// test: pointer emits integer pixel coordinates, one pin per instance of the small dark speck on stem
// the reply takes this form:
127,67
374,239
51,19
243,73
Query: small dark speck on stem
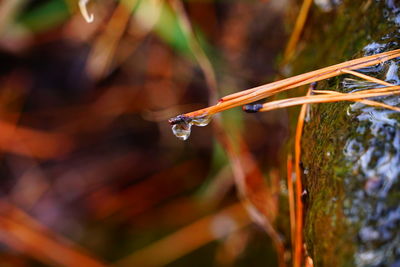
179,119
252,108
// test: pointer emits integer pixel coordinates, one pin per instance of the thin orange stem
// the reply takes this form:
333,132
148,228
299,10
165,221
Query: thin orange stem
298,29
321,73
299,188
366,77
364,101
24,234
329,98
264,91
189,238
291,199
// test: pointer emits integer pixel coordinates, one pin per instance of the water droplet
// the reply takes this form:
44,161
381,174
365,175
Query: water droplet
181,125
182,130
201,121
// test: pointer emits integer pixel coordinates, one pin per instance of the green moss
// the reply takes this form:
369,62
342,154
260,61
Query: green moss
344,194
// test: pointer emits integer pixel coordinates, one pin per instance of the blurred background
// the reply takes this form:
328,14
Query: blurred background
91,173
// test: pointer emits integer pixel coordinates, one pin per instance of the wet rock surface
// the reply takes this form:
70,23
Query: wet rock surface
351,151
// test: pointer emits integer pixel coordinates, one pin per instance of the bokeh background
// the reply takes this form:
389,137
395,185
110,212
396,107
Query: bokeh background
91,173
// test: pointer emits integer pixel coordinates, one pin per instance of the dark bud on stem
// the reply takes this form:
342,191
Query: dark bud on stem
313,86
179,119
252,108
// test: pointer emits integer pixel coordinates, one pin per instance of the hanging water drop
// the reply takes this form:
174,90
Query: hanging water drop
182,130
201,120
181,125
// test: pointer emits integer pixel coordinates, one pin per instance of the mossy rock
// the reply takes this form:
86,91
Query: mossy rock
350,151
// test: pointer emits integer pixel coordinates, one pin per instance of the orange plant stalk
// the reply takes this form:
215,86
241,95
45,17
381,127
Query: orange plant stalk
291,199
263,91
298,244
332,97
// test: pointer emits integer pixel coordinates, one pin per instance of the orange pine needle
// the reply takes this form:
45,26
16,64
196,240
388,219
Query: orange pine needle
291,199
263,91
33,143
105,47
299,187
366,77
326,98
189,238
364,101
298,29
23,233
